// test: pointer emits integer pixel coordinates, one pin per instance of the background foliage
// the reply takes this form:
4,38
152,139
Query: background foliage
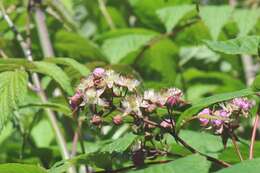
206,48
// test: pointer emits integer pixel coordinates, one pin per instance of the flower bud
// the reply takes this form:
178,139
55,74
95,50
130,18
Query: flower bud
167,124
171,101
96,120
242,103
75,100
98,72
117,120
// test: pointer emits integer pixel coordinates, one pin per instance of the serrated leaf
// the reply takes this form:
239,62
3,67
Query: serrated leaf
117,48
54,72
189,164
241,17
121,144
20,168
248,166
83,70
215,17
197,106
241,45
170,16
13,88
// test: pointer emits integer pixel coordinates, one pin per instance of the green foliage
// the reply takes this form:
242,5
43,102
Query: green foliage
13,88
215,17
189,164
196,46
241,45
20,168
250,166
120,144
170,16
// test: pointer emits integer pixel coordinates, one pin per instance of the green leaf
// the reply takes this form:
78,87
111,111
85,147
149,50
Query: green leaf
54,72
229,154
241,45
83,70
256,84
241,17
197,52
73,45
170,16
189,164
215,17
42,133
13,88
20,168
158,65
117,48
248,166
54,106
121,144
209,101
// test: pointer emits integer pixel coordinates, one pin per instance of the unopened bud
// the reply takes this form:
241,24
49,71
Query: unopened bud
96,120
117,120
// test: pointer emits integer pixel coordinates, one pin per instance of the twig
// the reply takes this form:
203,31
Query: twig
251,152
105,13
43,33
187,146
36,82
3,55
237,148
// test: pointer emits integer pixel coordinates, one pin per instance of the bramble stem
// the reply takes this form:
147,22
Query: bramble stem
251,152
36,82
105,13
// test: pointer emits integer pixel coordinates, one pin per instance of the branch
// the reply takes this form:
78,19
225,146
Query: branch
43,32
237,148
187,146
251,152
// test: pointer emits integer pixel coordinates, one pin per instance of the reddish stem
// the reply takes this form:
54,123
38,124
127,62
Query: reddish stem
251,152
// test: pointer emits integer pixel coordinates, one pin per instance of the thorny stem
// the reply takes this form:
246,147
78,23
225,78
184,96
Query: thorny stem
251,152
36,82
237,148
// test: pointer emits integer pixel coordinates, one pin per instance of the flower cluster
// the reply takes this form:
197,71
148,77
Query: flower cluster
225,115
101,87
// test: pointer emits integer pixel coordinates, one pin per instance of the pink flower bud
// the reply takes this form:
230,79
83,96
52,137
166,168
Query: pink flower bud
96,120
117,120
98,72
76,100
167,124
171,101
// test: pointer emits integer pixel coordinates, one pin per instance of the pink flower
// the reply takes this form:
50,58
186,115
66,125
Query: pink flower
166,123
242,103
204,121
98,72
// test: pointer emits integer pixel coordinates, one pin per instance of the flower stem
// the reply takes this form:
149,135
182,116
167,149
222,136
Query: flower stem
251,152
237,149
